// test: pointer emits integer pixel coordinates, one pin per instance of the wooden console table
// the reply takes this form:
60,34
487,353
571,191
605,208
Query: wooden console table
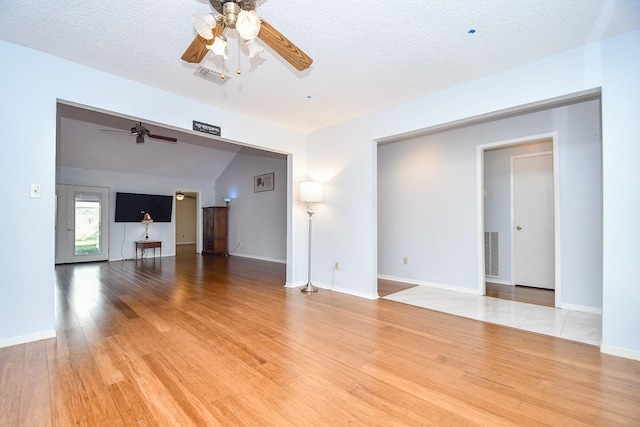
148,244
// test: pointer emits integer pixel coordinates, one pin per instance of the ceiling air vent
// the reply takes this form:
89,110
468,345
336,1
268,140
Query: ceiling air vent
211,75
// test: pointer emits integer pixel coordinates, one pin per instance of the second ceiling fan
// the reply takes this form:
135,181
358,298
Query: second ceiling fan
240,15
139,131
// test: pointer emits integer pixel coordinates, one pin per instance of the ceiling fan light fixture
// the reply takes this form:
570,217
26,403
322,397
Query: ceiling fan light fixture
254,47
219,46
241,15
230,10
204,24
248,25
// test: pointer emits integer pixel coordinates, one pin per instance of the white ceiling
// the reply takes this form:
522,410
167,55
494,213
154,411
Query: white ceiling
367,55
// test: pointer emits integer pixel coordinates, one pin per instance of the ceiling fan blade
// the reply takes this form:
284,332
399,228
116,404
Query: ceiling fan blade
217,5
113,131
139,131
197,50
283,46
164,138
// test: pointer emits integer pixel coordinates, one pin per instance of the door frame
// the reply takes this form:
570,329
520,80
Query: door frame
65,194
480,149
198,217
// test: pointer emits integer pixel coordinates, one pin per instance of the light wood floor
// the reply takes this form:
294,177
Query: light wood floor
545,297
193,340
388,287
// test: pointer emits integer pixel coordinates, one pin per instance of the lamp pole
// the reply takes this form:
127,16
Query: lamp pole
227,200
309,287
310,192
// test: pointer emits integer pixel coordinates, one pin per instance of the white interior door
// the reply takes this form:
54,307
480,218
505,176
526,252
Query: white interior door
533,221
82,224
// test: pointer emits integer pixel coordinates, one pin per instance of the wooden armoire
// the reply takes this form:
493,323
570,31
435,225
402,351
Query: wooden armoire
214,230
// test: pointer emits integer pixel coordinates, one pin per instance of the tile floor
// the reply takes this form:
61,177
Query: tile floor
571,325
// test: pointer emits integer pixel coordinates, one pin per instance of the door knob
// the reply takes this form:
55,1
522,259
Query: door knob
518,228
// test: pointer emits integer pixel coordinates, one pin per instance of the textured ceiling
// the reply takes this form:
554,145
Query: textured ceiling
367,55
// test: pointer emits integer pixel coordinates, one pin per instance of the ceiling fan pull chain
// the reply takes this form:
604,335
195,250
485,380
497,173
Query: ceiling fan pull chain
238,70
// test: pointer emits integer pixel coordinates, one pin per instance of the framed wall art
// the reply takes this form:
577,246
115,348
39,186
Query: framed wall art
263,182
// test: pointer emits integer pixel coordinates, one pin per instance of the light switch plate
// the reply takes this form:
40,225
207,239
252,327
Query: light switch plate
36,191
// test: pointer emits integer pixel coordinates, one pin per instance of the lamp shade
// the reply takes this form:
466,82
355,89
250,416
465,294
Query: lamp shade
219,46
254,47
248,25
310,192
204,23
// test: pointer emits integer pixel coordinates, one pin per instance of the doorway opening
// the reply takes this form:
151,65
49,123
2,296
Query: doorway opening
187,205
82,224
520,220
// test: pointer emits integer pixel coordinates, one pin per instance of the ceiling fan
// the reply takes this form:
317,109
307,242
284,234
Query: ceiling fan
240,15
180,195
140,132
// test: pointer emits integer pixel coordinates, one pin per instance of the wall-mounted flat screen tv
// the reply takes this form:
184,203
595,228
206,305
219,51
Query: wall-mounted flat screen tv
131,207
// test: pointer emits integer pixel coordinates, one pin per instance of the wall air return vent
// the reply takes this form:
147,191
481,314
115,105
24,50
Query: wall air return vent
211,75
492,254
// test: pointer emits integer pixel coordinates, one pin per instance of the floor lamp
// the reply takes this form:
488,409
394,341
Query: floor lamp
227,200
310,192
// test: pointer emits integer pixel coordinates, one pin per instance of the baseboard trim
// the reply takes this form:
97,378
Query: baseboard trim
620,352
260,258
583,308
301,283
369,296
295,284
23,339
446,287
498,281
327,287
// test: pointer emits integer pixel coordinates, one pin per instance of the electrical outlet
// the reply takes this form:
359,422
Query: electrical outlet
336,266
405,260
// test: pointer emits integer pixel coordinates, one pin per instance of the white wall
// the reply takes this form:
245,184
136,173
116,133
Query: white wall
432,180
123,235
344,156
621,195
431,219
257,221
28,120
